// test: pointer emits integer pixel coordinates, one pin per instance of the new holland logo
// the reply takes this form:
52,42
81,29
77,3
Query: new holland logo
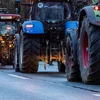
40,5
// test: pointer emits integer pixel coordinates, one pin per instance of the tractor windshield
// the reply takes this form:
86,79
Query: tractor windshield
52,11
7,28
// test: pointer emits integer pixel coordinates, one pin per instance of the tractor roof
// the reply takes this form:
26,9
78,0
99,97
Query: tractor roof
27,1
9,16
52,0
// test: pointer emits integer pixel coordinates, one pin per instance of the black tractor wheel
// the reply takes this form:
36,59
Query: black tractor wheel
89,52
29,53
72,67
61,67
16,53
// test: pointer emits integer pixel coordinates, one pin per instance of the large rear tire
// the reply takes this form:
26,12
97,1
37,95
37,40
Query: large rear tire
72,67
89,52
29,53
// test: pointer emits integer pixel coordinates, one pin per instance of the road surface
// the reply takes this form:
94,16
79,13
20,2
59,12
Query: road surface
44,85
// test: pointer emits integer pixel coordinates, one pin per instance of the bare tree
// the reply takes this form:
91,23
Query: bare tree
10,4
0,2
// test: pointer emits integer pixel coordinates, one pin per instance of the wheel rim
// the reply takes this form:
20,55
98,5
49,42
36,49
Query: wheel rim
85,49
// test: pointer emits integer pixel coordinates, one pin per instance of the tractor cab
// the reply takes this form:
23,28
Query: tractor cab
53,15
50,11
9,23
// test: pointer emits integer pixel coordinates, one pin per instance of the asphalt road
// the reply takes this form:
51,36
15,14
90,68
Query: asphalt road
45,85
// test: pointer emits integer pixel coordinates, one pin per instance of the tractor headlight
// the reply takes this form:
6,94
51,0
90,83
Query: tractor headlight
29,26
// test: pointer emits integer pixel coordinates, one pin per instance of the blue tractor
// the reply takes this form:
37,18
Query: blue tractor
52,34
42,35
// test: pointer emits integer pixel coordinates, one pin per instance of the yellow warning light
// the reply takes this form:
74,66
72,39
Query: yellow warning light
10,45
1,38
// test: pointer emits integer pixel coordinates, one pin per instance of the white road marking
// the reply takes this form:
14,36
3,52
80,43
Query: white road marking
18,76
97,95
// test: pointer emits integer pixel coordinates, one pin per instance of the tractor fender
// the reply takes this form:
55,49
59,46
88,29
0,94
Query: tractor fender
35,28
92,15
70,25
